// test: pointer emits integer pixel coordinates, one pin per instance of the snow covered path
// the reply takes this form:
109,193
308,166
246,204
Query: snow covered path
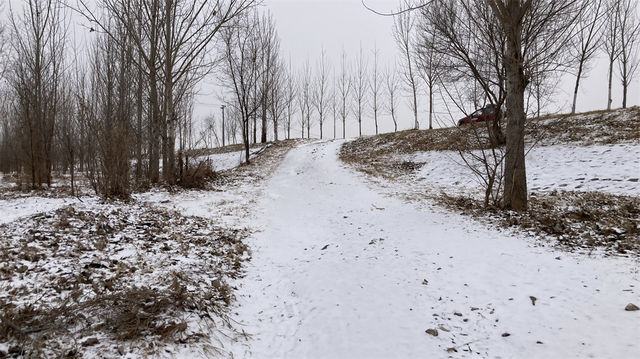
341,271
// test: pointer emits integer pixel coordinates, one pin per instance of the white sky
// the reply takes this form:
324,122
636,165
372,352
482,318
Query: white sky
306,26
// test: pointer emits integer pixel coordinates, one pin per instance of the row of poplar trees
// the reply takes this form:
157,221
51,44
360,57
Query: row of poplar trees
118,109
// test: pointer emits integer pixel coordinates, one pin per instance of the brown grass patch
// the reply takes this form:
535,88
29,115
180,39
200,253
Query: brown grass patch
585,129
575,220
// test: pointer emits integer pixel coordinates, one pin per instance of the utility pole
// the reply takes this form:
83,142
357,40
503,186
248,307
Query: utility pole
222,108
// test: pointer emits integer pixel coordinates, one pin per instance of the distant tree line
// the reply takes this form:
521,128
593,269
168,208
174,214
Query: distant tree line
121,112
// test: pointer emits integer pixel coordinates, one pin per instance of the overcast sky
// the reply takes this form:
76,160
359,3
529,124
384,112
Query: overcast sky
307,26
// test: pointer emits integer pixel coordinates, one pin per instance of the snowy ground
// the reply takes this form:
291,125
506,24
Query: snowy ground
229,204
80,279
13,209
340,270
611,169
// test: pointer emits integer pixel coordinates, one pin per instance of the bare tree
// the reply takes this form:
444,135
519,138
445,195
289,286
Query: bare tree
334,105
232,125
241,47
307,97
549,25
376,82
541,92
585,45
67,132
277,97
268,64
145,27
108,106
39,40
290,98
428,62
6,144
403,32
321,89
503,44
302,105
611,41
629,31
453,50
8,147
344,90
392,82
360,85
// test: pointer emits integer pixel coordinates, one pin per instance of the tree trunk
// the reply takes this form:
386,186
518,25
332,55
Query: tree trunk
154,131
625,80
375,119
575,91
275,129
515,187
255,128
430,106
263,130
223,128
334,125
245,136
415,108
139,128
395,122
609,98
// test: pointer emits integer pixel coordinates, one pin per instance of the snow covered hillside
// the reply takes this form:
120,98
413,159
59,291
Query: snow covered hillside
611,168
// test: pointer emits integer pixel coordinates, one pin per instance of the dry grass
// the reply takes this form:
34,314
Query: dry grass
590,128
581,221
377,155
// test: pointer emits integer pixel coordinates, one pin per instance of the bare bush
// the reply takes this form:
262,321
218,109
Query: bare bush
196,175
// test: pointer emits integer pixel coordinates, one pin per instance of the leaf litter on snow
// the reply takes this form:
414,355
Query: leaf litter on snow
113,279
